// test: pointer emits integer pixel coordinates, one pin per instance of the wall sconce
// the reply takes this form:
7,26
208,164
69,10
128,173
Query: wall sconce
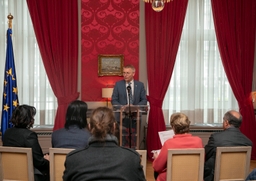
107,93
157,5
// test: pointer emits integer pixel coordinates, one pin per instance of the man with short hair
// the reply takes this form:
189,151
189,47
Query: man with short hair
120,92
231,136
128,92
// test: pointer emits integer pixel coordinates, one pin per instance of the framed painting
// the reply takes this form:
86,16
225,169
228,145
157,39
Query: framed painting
110,65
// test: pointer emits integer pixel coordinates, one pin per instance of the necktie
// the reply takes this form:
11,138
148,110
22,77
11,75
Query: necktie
130,97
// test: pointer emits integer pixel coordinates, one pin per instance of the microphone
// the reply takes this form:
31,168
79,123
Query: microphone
129,88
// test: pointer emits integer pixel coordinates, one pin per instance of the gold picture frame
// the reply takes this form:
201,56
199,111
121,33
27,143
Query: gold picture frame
110,65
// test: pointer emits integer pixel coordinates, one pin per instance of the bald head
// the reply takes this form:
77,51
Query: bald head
235,114
232,118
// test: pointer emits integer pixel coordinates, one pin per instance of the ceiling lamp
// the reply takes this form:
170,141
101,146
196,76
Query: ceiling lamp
157,5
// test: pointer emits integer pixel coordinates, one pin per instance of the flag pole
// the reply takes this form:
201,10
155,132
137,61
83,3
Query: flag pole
10,91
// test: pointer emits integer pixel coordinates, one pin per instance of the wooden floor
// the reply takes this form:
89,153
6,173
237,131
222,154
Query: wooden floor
150,172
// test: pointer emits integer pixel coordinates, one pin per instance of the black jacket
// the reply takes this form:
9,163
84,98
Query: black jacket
22,137
103,161
229,137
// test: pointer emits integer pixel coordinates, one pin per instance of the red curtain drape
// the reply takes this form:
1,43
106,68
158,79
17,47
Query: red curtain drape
56,28
235,22
163,32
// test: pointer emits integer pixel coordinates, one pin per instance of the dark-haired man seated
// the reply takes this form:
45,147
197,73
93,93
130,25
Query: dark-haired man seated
231,136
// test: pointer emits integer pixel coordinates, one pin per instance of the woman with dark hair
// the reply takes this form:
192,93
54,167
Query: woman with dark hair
182,139
103,159
75,134
20,136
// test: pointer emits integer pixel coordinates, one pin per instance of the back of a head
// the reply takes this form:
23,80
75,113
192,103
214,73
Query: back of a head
23,116
234,118
180,123
76,114
102,122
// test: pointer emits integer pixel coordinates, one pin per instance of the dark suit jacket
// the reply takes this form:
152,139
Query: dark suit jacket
74,137
119,96
103,161
229,137
22,137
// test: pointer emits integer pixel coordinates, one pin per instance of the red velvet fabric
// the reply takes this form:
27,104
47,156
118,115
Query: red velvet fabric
56,28
163,32
107,27
235,22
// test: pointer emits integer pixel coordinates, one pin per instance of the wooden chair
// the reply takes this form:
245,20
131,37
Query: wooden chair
57,159
232,163
143,156
16,164
185,164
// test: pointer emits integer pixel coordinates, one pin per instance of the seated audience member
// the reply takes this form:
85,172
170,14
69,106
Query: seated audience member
182,139
103,159
20,136
75,134
231,136
252,175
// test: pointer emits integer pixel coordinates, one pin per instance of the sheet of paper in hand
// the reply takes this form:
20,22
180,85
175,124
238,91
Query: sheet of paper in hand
165,135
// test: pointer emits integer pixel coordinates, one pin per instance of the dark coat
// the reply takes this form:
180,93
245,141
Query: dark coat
103,161
119,96
74,137
229,137
22,137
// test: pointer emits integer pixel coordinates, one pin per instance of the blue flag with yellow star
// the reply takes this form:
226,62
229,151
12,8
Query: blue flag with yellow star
10,92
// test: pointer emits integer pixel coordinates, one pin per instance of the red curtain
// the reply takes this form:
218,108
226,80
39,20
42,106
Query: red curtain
163,32
235,22
56,28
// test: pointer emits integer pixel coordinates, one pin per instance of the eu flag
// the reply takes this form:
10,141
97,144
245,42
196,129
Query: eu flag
10,92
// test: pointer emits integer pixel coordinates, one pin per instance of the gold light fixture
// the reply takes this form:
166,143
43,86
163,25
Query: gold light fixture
157,5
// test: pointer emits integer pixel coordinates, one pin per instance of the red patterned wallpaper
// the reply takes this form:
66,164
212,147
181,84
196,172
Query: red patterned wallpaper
108,27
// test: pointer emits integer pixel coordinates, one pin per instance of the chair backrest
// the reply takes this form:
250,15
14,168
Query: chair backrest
232,163
57,159
143,157
16,164
185,164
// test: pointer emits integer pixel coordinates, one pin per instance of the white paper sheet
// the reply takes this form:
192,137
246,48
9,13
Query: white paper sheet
165,135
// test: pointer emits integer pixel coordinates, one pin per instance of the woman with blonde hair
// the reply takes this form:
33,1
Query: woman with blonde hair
182,139
103,159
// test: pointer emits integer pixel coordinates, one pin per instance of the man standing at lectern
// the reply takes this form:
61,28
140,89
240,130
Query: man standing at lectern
120,96
120,92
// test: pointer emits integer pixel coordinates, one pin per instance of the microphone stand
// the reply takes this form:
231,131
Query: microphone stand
130,116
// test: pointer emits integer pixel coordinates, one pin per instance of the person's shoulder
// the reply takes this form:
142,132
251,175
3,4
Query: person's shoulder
8,130
23,131
138,82
120,82
77,152
196,137
59,132
219,133
129,151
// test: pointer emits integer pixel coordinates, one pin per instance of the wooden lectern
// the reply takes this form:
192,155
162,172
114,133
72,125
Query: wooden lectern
125,110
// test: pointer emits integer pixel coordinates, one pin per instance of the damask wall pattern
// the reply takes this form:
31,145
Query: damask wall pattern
107,27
